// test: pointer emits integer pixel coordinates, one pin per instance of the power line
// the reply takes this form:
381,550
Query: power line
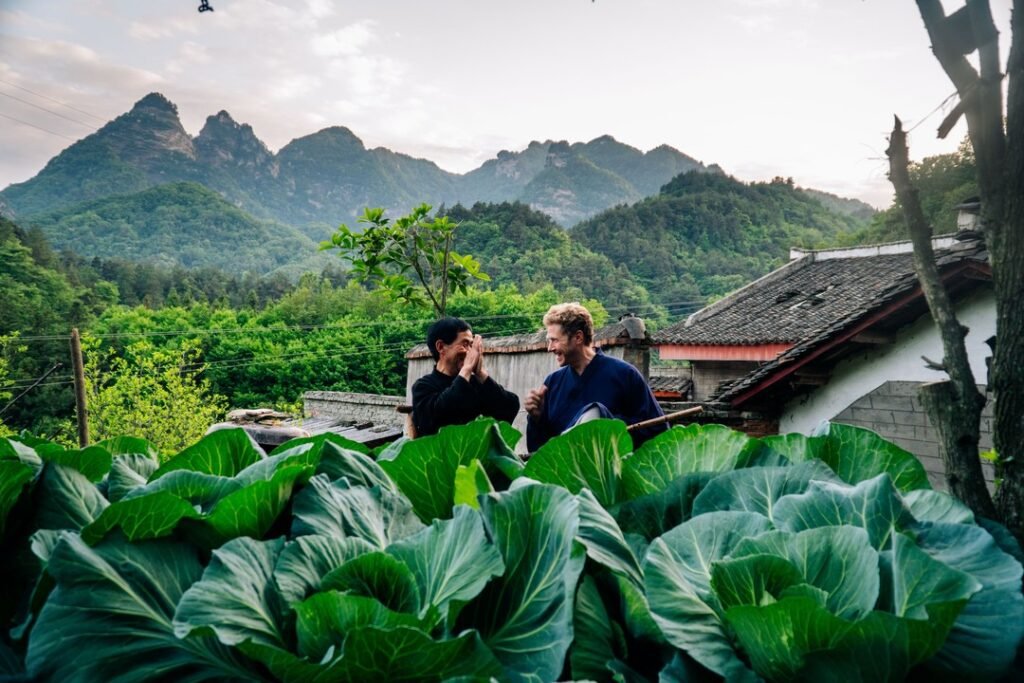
32,125
49,111
651,308
927,116
30,387
56,101
231,363
358,350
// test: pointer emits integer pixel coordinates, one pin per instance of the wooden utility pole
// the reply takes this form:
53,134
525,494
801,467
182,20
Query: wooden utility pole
76,364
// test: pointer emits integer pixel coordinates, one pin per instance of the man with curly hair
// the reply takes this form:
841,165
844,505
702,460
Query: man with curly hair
587,383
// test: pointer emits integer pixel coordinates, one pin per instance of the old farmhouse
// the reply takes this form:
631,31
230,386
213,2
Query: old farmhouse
842,335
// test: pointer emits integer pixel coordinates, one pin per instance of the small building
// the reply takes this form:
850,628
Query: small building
839,335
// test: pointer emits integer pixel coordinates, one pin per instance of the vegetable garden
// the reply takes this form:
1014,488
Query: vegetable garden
704,555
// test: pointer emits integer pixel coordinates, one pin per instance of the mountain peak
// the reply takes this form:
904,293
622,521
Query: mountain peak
341,133
222,117
156,101
225,142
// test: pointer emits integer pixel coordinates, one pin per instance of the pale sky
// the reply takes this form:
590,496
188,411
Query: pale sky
800,88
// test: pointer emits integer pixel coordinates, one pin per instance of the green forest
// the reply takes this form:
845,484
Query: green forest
238,337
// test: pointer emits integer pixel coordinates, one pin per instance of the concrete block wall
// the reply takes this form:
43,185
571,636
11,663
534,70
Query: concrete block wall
358,408
894,411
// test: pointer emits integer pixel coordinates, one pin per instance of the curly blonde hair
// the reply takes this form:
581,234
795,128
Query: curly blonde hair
572,317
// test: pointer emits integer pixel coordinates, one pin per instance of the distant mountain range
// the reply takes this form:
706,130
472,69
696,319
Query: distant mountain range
142,188
330,176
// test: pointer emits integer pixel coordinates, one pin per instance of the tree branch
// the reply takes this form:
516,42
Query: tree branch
444,272
981,95
953,406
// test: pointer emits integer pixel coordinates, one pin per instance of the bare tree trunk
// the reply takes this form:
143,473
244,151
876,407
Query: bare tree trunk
999,155
1008,276
953,406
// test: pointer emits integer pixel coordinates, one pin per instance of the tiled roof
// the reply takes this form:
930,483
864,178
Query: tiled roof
613,334
670,383
803,297
961,254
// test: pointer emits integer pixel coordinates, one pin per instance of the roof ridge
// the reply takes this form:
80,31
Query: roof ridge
866,250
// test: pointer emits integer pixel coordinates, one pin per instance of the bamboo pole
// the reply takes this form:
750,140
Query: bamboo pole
671,417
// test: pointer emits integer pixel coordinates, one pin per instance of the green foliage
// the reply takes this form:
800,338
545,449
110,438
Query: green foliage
7,349
411,259
39,299
942,181
527,249
177,224
148,392
311,564
706,234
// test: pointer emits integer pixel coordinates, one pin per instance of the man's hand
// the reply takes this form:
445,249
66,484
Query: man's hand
472,359
535,401
478,369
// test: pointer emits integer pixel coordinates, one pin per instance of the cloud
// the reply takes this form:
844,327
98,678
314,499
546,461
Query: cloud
347,41
64,62
319,9
190,55
146,31
293,86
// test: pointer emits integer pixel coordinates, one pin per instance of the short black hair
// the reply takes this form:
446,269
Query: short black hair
445,329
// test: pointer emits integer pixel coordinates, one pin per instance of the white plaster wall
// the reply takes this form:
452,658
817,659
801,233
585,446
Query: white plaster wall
863,373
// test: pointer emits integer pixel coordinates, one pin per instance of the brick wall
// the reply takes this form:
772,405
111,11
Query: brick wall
375,408
894,411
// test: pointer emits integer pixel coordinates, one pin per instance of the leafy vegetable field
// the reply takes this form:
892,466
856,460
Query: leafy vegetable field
703,555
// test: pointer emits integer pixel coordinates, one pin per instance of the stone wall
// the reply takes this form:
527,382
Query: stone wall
894,411
359,408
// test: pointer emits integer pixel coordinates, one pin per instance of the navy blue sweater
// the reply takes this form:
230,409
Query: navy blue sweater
612,382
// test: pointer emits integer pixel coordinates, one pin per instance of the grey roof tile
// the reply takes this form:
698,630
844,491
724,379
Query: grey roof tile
800,299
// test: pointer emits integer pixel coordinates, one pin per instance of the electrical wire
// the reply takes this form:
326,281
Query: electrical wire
650,308
49,111
56,101
32,125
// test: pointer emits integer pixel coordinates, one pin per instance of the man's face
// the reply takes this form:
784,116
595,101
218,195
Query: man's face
453,355
565,348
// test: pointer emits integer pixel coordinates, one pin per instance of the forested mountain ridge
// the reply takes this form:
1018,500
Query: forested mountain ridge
331,176
706,234
527,249
181,223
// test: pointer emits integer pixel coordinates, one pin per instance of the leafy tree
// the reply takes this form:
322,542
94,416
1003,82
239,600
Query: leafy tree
689,242
994,132
526,248
942,181
152,393
411,258
7,345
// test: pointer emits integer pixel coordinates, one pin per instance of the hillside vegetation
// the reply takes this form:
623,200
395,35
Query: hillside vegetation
182,224
706,234
527,249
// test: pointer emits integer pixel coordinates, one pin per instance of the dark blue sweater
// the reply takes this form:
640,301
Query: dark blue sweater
612,382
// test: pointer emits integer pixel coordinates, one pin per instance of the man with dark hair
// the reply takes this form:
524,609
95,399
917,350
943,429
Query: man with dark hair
459,389
587,384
